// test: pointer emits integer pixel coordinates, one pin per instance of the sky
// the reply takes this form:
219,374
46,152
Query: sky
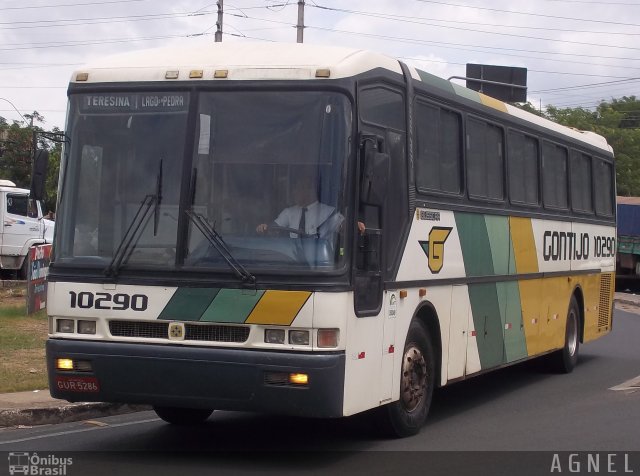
577,53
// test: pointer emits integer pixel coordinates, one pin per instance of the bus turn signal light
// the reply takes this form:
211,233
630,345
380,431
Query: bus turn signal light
64,364
328,338
299,379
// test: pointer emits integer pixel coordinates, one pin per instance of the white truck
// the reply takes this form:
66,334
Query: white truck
22,225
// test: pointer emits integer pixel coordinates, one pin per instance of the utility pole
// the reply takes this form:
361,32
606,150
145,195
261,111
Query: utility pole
218,35
300,25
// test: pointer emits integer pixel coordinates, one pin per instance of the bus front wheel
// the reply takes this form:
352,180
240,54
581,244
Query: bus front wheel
182,416
406,416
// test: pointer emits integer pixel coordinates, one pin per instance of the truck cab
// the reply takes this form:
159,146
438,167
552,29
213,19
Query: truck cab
22,225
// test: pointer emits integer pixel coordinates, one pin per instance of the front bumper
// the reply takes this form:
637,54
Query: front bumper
196,377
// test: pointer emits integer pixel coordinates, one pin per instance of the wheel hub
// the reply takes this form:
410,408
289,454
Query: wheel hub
572,333
414,378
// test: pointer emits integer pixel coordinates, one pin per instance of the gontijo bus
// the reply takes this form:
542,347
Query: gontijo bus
489,235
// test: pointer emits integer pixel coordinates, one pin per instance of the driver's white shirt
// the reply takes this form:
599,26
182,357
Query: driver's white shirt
317,215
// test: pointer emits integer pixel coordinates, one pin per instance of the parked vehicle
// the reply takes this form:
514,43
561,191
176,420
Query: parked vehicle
23,226
628,255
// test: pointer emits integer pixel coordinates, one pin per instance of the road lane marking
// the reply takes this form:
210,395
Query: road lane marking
633,384
81,430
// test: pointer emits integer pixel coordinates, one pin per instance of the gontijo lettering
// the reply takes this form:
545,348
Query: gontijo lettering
560,246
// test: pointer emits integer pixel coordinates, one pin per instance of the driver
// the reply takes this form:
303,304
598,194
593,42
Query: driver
307,215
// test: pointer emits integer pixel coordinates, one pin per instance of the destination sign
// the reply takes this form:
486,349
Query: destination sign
133,103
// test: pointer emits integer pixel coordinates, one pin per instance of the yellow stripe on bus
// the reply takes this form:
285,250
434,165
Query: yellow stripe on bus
526,258
494,103
278,307
524,246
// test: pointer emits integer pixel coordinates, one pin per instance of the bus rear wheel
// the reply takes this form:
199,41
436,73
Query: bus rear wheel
565,360
406,416
183,416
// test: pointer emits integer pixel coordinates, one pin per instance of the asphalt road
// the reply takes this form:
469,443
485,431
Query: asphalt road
521,408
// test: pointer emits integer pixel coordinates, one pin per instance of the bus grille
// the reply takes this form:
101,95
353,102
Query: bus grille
604,307
193,332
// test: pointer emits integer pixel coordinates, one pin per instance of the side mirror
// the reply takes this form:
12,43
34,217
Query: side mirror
39,174
375,177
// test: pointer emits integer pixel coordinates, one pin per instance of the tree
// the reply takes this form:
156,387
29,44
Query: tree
16,145
617,121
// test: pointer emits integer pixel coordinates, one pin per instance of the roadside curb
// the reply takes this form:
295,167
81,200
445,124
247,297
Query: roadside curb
627,301
64,413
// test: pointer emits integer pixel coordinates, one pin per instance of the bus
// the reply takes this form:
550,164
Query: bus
446,234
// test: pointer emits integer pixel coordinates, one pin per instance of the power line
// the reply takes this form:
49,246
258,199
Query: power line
417,21
97,20
70,44
597,3
456,45
529,14
591,85
14,108
69,5
33,87
529,70
467,47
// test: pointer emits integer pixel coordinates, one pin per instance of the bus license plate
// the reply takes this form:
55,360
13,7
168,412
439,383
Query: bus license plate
77,384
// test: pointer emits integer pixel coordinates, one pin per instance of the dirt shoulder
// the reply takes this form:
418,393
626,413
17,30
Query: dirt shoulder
22,343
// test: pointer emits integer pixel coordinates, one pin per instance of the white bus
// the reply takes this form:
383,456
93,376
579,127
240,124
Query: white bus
445,234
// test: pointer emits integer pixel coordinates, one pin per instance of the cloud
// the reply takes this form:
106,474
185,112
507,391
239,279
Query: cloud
40,47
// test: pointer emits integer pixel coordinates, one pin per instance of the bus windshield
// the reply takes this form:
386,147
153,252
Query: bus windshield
256,181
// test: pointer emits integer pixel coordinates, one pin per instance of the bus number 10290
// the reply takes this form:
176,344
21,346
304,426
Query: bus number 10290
116,302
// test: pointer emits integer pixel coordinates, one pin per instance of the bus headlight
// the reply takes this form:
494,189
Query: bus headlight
274,336
299,337
86,327
65,325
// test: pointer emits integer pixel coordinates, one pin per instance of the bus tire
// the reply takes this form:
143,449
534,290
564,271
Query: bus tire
564,360
406,416
182,416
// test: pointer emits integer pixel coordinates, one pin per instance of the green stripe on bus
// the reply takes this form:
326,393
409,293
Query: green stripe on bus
498,233
474,240
467,93
488,324
515,343
232,305
188,304
436,81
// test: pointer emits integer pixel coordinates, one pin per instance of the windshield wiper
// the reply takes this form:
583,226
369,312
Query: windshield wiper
218,243
131,236
134,231
156,208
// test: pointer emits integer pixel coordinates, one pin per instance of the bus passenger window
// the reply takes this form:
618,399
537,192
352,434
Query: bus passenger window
603,175
554,175
523,168
581,182
485,161
438,134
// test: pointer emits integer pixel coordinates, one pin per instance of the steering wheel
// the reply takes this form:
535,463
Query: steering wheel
279,230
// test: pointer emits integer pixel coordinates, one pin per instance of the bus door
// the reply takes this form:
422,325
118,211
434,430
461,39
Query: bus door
384,210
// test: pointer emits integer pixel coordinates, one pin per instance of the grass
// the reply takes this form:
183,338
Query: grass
22,340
